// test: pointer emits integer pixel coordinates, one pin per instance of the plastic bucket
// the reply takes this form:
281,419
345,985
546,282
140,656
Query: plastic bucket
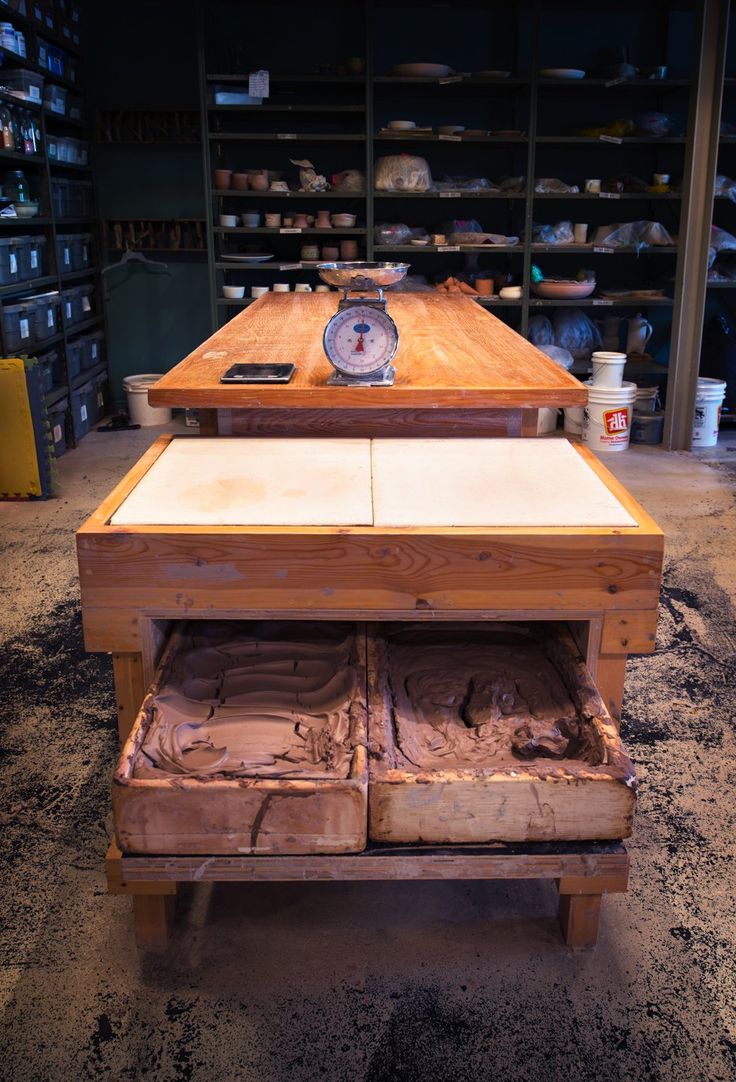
607,417
646,400
574,420
608,369
139,411
546,420
647,427
707,416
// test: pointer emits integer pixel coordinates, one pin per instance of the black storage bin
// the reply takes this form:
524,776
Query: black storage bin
101,391
19,327
53,358
93,350
80,410
47,375
10,270
86,301
74,353
84,251
33,258
46,314
71,306
57,419
65,243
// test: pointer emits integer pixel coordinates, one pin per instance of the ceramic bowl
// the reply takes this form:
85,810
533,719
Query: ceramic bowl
233,293
432,71
229,221
402,125
419,241
451,129
26,210
510,293
554,289
562,73
344,221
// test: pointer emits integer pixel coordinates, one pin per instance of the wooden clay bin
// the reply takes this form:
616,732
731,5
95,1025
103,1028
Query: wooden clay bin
375,531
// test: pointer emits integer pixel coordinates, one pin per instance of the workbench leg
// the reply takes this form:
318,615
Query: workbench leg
129,690
609,678
152,914
579,916
208,423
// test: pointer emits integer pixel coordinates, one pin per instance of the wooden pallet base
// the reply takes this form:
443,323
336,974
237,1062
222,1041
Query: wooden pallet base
583,872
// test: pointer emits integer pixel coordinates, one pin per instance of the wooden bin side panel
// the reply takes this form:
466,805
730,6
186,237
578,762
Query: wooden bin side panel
186,572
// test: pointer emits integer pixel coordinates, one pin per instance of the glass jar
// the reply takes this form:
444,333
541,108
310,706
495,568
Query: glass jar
15,187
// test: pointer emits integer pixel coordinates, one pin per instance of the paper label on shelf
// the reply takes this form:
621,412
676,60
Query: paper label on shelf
610,139
24,328
604,251
290,266
50,322
34,258
34,92
286,135
451,79
258,84
615,82
86,306
448,247
13,263
290,229
68,309
67,257
450,195
57,433
598,302
83,412
609,195
450,138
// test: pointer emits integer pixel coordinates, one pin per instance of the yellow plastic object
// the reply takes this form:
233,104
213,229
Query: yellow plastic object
19,473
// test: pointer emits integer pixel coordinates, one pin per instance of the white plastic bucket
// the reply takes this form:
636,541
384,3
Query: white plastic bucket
707,417
574,420
546,420
139,411
607,417
646,399
608,368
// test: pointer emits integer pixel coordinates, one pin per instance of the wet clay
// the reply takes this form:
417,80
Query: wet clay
488,698
265,699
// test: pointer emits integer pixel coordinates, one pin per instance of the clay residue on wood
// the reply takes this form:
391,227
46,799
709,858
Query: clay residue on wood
482,698
267,699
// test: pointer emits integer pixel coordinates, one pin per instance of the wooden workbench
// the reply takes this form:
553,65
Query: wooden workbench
144,567
459,371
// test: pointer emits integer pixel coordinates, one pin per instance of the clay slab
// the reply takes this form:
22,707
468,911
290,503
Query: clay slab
494,482
254,482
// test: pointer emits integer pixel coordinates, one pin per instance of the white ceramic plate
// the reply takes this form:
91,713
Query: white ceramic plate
434,71
562,73
248,258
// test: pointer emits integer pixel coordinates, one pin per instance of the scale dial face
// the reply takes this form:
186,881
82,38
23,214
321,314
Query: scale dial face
360,340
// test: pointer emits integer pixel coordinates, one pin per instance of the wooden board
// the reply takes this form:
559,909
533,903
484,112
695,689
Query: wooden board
254,482
539,801
457,482
452,353
215,814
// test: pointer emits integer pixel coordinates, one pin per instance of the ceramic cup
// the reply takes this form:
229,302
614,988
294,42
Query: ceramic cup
259,181
593,185
278,186
229,221
251,219
348,250
302,287
330,253
288,221
309,251
321,289
223,178
233,293
273,221
484,286
580,232
241,182
258,291
281,287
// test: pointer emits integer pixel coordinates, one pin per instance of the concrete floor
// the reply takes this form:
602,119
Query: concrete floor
376,982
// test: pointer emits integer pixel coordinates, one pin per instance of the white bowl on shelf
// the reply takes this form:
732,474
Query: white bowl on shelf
402,125
233,293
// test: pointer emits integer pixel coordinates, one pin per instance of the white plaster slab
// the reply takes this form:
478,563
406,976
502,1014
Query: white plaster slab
499,482
252,482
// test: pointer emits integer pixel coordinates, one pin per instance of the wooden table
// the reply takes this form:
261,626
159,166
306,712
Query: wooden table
603,581
459,371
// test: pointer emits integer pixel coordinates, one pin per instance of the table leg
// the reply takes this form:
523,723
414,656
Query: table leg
152,914
579,916
609,677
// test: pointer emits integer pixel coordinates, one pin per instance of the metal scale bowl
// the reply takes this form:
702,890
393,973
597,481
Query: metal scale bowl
361,339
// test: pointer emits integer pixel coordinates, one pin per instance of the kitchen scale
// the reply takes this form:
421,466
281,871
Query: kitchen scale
361,339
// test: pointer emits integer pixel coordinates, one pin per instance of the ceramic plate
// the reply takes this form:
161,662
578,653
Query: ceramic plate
248,258
562,73
434,71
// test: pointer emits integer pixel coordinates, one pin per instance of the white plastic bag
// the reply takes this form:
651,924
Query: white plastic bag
403,173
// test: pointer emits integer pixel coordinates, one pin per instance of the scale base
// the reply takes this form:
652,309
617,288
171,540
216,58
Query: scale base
384,378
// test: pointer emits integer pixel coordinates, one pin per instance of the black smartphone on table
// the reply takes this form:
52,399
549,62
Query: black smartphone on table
259,373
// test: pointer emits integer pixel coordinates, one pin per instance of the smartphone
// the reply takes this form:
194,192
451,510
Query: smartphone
259,373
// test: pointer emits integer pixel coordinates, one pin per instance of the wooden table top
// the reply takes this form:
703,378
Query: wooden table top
452,354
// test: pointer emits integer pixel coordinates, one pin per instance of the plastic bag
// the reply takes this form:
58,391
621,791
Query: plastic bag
461,225
350,180
403,173
560,356
724,186
391,233
559,233
512,184
467,184
576,333
632,235
552,184
540,332
720,241
655,124
482,238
